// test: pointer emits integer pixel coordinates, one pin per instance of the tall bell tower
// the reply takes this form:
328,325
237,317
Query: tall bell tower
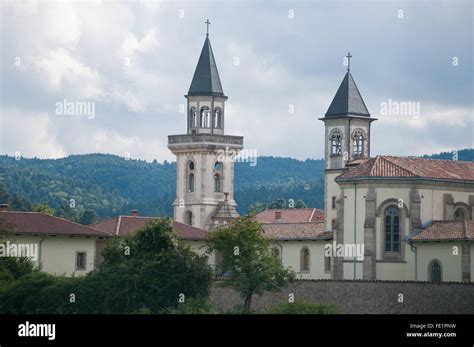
347,143
205,155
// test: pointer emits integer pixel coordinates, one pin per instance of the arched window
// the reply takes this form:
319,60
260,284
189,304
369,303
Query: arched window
336,142
191,183
190,176
205,117
435,271
358,143
459,214
193,117
217,118
305,260
392,230
276,252
217,183
188,218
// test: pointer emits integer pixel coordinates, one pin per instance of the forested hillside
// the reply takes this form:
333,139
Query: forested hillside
111,185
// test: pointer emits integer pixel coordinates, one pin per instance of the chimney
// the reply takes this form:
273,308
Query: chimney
134,213
277,215
4,207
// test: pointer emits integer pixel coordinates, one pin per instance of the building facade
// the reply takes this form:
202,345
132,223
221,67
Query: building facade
391,205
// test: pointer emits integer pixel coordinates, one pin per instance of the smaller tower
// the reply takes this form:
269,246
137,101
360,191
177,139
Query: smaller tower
347,141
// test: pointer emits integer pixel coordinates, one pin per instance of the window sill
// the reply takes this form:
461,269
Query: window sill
395,261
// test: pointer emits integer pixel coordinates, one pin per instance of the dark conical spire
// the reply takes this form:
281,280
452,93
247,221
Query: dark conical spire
347,100
206,79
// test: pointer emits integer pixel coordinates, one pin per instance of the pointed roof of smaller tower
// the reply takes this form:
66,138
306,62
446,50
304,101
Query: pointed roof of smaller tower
347,101
225,211
206,79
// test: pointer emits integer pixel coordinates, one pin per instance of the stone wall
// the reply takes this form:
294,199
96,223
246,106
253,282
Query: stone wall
364,297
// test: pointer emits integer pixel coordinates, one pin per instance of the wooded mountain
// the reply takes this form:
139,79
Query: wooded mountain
111,185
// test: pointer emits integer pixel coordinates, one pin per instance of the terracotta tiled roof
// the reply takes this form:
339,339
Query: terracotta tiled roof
126,225
291,215
296,231
446,231
39,223
388,166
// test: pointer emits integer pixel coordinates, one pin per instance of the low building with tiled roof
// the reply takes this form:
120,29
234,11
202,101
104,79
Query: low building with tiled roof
291,215
57,245
129,225
445,230
299,237
443,249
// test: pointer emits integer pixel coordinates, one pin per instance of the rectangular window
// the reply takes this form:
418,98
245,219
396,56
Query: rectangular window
333,202
81,261
327,264
333,225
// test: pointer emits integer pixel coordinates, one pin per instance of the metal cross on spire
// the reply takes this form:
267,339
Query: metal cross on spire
348,56
207,24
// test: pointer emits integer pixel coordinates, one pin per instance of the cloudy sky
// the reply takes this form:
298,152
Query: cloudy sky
135,61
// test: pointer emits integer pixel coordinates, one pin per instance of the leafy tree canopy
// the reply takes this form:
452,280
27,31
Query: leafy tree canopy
247,261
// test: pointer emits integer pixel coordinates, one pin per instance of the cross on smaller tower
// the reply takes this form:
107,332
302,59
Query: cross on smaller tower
207,24
348,56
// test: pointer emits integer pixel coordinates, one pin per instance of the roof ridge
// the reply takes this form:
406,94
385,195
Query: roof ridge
117,227
421,158
312,214
280,223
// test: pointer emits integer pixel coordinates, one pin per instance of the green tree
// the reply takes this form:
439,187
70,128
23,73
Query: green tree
88,217
300,204
43,208
247,260
257,208
280,203
67,212
150,272
18,203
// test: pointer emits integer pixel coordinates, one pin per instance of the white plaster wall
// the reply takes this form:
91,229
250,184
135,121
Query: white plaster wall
290,254
58,253
450,263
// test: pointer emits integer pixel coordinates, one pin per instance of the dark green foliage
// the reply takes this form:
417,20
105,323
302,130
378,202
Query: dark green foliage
12,269
463,154
88,217
303,307
43,208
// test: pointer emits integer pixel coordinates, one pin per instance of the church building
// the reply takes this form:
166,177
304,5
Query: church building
413,216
